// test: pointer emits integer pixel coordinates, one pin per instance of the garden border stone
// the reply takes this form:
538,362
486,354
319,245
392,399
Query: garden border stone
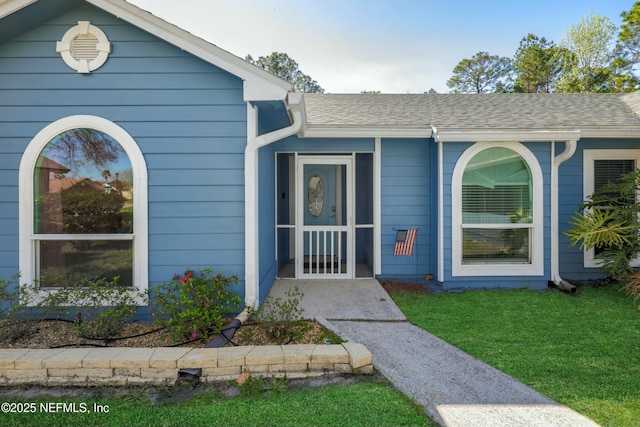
129,366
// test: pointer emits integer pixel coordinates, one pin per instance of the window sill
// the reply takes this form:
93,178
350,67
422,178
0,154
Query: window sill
497,269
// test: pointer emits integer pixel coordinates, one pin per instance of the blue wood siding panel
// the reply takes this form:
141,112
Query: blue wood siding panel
407,199
451,154
570,198
187,116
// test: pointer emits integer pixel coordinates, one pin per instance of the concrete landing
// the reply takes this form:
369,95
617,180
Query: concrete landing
361,299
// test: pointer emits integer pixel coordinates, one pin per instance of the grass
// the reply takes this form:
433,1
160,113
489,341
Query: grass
365,403
582,351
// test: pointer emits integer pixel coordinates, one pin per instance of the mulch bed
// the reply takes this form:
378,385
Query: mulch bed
398,286
60,334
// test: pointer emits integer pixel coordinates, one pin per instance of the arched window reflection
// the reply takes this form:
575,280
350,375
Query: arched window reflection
83,187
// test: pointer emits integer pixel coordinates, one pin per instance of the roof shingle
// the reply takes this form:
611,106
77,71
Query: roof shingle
513,111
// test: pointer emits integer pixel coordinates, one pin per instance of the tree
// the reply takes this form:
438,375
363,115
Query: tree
590,64
628,45
537,64
627,52
281,65
481,74
82,147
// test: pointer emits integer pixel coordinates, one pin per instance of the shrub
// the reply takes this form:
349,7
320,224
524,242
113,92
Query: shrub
280,316
92,211
100,307
7,299
610,221
13,310
194,305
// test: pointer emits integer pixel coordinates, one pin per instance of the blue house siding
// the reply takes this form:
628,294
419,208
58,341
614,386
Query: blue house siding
571,195
407,199
451,154
268,265
187,116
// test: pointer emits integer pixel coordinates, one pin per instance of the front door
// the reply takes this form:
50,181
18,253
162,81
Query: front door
324,214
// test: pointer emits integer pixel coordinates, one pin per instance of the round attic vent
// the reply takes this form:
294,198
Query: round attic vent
84,47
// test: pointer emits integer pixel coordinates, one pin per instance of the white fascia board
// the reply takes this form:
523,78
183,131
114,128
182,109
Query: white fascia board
8,7
259,85
501,136
357,132
610,133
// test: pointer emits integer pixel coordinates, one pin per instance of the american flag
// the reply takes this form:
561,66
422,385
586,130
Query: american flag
405,240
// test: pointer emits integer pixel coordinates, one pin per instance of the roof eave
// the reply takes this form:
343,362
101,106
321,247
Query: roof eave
522,135
365,132
611,133
259,85
9,7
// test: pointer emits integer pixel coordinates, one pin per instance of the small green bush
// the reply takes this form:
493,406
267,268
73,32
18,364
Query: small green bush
281,316
6,295
100,307
13,310
194,305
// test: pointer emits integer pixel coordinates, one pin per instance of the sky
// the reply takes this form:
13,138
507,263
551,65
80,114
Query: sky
391,46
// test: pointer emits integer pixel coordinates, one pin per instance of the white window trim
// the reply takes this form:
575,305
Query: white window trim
536,266
28,243
103,47
588,187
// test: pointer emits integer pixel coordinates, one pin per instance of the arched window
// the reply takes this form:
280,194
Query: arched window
497,212
83,206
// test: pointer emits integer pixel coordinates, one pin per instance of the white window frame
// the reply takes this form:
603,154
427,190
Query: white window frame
29,240
536,241
588,187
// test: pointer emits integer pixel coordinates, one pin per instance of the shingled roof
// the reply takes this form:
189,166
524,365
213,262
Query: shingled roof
482,112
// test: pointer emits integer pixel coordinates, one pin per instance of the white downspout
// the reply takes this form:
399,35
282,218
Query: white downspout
569,151
251,196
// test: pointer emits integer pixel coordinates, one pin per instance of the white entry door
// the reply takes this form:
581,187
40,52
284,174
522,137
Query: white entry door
324,217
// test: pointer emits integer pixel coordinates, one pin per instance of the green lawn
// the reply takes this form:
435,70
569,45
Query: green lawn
368,402
582,351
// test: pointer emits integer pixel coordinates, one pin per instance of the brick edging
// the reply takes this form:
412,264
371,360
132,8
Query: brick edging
126,365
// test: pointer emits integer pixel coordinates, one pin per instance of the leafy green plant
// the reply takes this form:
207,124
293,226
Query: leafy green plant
100,307
194,305
6,295
610,222
14,310
280,315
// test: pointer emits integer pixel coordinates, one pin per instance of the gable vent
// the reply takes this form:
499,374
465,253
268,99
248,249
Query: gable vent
84,48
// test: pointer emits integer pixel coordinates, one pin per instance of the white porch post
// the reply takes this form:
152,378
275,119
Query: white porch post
251,281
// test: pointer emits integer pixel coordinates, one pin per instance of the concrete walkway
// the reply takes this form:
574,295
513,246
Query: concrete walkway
454,388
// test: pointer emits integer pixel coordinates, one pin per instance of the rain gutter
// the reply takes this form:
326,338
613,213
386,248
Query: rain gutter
251,182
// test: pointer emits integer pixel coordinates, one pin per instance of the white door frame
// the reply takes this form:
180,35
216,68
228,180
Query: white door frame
301,229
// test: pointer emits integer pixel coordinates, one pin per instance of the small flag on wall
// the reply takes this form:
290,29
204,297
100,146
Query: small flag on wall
405,240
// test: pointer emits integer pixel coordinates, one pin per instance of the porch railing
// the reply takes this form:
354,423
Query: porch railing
324,252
